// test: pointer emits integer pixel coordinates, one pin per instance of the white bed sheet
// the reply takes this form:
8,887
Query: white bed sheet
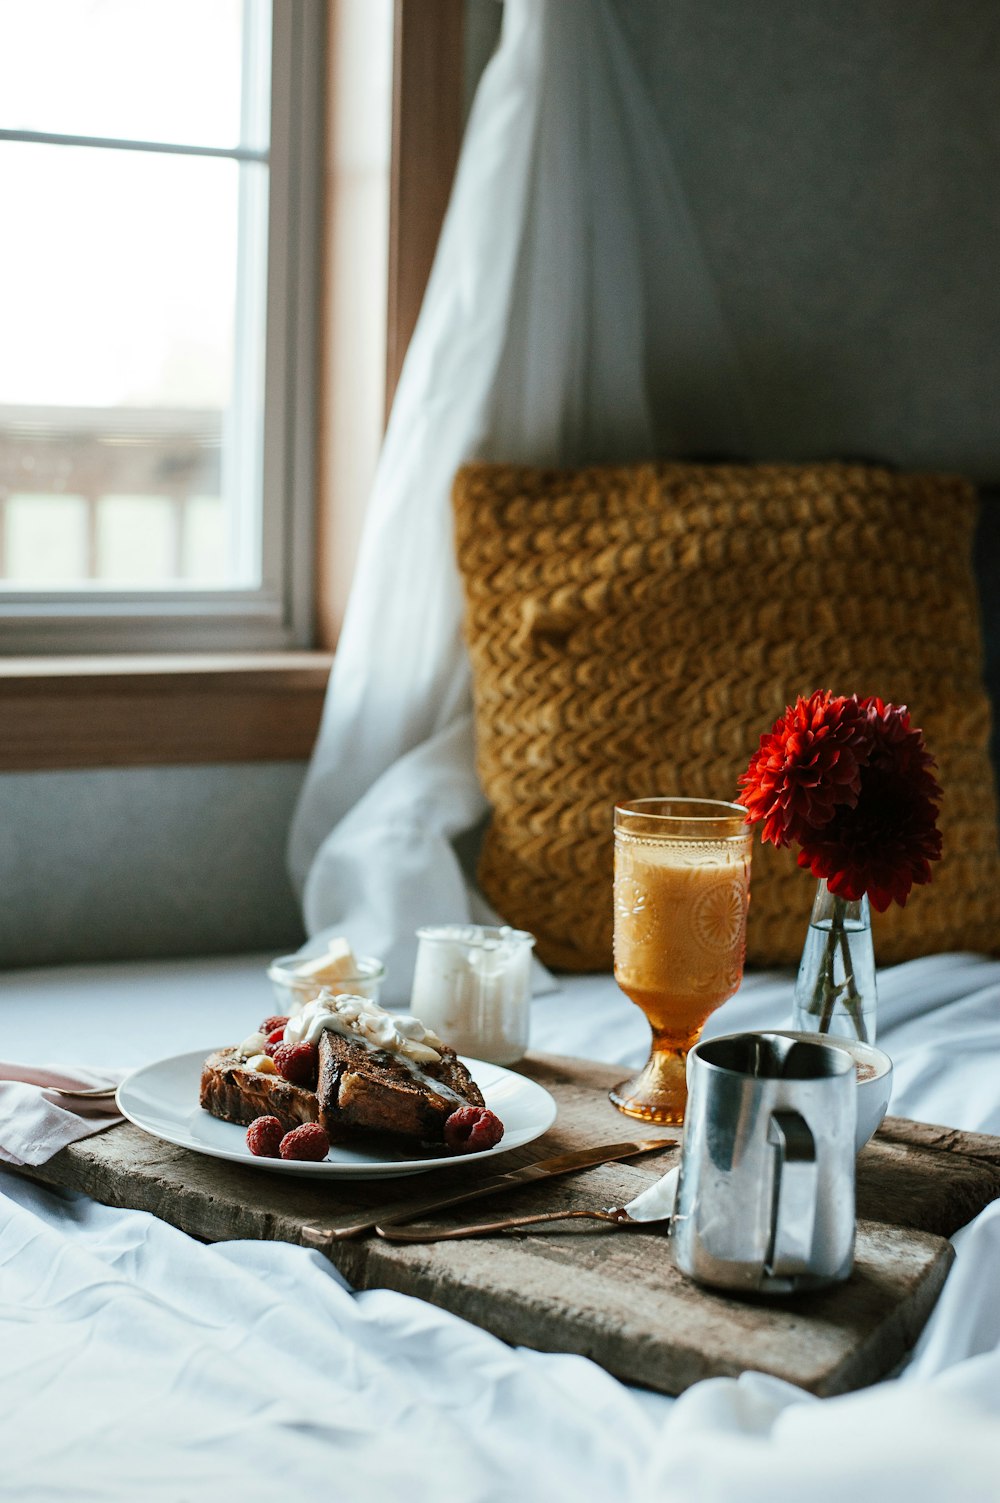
137,1363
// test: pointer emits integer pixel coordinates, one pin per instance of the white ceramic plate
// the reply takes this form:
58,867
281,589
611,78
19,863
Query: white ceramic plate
162,1099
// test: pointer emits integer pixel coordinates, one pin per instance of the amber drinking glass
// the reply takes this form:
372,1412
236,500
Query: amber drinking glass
682,888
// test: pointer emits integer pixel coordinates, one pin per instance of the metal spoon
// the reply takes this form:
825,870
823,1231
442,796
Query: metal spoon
90,1094
616,1215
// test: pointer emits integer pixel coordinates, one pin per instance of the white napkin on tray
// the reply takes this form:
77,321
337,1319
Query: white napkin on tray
656,1203
35,1123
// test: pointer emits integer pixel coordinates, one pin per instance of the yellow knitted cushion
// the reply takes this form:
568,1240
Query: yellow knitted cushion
634,630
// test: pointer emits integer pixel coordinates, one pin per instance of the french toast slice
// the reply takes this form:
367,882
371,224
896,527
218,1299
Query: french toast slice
363,1090
237,1094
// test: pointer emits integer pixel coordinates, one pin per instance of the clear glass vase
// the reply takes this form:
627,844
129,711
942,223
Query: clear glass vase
835,991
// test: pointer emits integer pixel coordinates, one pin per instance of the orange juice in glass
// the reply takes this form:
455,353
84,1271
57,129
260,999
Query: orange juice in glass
682,888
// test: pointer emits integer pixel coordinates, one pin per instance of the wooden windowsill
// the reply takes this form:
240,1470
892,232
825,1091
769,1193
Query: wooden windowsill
62,713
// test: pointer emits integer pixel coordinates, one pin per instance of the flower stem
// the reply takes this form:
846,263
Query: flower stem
826,993
837,970
826,984
851,998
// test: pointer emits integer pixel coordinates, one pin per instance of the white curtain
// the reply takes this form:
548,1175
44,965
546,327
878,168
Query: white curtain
569,317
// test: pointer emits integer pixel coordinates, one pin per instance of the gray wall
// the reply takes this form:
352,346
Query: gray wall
152,862
841,160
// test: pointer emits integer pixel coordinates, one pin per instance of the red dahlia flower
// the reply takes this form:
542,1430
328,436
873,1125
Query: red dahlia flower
850,782
806,766
885,843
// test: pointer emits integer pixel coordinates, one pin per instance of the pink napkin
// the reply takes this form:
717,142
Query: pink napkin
35,1123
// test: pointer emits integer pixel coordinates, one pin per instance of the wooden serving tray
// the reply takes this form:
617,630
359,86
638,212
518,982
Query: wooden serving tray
608,1294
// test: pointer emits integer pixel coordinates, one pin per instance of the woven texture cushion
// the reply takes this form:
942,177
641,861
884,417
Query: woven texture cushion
634,630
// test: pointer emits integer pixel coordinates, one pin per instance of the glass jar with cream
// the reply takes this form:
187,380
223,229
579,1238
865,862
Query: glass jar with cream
472,985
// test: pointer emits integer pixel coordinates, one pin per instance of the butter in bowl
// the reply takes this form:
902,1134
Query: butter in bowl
298,979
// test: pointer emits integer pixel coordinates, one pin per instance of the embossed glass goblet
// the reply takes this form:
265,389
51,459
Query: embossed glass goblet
681,892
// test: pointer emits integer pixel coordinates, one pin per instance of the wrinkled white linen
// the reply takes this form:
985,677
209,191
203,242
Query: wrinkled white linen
247,1371
569,317
135,1362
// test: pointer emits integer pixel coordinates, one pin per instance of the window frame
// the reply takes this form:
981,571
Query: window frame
278,614
102,710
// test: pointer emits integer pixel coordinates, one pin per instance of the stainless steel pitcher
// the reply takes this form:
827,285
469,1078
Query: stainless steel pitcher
765,1200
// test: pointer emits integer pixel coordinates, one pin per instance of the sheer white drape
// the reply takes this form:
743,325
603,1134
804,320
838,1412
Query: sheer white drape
568,317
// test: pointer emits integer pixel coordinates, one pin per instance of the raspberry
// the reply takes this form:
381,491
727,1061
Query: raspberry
298,1063
270,1049
306,1142
276,1035
270,1024
471,1129
264,1136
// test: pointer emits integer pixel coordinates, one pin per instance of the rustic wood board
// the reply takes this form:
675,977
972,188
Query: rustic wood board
610,1295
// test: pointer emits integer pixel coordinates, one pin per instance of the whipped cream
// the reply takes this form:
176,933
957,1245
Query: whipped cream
360,1018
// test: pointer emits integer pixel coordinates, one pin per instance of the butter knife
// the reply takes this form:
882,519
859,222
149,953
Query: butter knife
563,1163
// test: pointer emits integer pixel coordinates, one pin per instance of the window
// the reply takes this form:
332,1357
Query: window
160,170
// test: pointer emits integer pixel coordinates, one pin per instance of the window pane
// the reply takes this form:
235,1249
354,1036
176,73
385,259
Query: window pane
45,539
121,368
151,70
124,264
137,539
204,541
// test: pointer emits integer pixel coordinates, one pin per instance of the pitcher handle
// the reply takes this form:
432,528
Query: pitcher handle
793,1215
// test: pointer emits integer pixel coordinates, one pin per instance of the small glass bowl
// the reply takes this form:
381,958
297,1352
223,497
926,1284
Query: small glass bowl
293,990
